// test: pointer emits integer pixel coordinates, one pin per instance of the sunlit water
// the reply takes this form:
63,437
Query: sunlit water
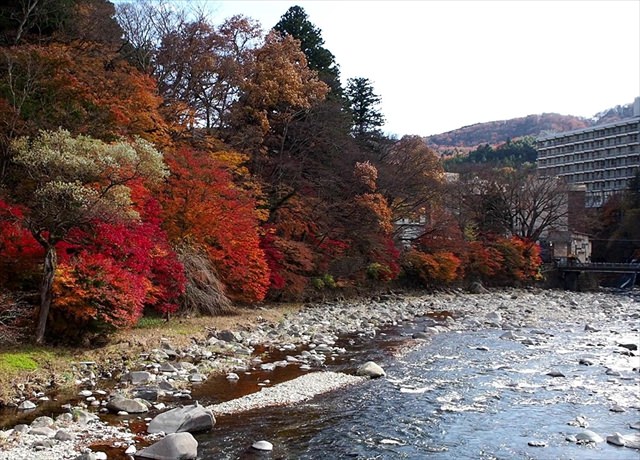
469,395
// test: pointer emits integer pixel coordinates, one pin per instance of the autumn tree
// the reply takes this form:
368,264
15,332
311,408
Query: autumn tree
67,182
200,69
69,85
38,21
295,22
205,210
410,177
279,88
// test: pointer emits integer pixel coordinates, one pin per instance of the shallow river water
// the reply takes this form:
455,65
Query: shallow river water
459,395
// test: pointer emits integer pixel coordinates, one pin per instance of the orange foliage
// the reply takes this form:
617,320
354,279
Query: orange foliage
203,205
86,89
432,269
373,208
520,260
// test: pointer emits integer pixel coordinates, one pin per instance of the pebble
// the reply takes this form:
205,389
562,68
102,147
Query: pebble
536,443
26,405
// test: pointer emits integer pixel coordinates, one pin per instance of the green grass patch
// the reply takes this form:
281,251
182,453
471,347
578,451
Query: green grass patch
17,361
28,358
150,322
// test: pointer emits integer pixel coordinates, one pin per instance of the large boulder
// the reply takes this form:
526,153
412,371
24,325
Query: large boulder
175,446
371,369
193,419
131,406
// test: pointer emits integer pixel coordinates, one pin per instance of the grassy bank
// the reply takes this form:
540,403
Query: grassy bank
29,369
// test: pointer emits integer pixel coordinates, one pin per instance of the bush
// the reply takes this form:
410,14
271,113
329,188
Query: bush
379,272
432,269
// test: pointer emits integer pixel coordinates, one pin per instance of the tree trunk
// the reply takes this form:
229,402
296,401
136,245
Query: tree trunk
46,291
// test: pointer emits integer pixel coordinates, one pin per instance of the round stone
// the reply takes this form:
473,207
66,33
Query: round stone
262,445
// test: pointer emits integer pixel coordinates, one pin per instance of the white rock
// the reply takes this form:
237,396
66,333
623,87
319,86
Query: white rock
370,369
262,445
589,436
616,439
26,405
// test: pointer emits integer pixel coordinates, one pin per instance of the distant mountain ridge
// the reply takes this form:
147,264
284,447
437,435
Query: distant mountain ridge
497,132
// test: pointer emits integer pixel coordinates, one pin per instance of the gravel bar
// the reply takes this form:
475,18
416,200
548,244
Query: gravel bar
293,391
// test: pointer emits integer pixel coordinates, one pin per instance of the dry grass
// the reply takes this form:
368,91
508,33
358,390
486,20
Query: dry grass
55,365
204,293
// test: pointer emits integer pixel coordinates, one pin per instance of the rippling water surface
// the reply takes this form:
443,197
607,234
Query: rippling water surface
467,395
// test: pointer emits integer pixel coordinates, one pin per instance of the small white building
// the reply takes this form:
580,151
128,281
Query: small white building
566,246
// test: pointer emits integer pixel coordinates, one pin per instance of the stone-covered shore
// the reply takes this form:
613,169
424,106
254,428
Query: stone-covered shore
314,329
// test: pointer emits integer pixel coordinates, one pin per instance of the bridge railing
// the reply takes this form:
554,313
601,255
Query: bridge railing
604,266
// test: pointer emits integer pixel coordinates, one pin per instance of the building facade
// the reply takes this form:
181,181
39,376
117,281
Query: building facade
603,158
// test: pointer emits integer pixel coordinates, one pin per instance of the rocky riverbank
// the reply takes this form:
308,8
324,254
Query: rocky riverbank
163,377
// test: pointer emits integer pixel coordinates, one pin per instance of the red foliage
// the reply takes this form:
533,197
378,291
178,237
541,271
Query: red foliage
482,261
387,259
520,260
20,253
111,274
94,287
274,258
202,204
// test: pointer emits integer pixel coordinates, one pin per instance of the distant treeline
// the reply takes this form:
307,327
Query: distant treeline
512,153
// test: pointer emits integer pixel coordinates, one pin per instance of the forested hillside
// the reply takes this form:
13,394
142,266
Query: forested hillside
494,133
497,132
155,160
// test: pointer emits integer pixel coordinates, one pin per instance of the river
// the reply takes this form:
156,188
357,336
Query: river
459,395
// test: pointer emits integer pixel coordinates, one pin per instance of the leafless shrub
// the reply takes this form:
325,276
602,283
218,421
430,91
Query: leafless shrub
205,293
15,319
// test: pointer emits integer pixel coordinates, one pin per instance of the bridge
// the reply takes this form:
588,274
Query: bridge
571,270
599,267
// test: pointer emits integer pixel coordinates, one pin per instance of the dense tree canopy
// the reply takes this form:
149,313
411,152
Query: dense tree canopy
166,162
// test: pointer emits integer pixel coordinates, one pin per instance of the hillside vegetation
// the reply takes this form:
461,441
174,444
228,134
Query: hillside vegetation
493,133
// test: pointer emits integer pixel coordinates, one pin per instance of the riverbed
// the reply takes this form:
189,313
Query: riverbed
501,375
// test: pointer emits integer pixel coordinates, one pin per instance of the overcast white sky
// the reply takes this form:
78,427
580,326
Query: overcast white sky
441,65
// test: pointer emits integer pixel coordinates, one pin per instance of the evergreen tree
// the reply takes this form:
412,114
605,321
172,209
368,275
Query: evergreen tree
363,103
295,22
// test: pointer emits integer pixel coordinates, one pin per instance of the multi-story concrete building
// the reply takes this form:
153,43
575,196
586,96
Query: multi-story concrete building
604,158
